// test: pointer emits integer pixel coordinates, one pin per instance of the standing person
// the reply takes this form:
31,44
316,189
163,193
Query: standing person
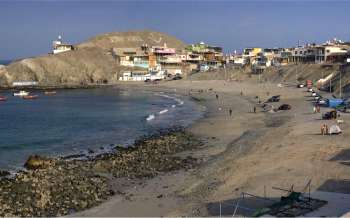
314,110
254,109
217,96
241,93
323,129
230,112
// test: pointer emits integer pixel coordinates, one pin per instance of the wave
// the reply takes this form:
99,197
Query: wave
177,100
163,111
150,117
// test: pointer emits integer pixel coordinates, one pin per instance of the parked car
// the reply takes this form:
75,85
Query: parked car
147,80
285,107
275,98
329,115
322,101
177,78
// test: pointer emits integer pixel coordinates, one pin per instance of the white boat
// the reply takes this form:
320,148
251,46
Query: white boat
21,93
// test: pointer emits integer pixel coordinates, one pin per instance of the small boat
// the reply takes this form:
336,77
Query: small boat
3,98
21,93
30,97
50,92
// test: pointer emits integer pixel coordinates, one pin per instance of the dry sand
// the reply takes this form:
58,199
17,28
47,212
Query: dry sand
247,152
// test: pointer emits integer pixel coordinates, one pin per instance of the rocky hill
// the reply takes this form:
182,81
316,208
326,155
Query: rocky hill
90,64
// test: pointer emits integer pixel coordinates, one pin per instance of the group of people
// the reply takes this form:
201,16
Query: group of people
324,129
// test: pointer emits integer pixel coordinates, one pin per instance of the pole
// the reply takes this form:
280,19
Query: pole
340,86
296,73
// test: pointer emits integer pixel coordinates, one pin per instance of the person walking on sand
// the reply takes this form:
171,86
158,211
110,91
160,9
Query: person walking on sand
217,96
230,112
254,109
323,129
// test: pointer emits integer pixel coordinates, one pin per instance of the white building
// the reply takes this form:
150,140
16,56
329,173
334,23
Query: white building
142,75
59,46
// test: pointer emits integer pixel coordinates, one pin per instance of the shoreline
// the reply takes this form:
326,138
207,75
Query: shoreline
108,149
243,152
248,152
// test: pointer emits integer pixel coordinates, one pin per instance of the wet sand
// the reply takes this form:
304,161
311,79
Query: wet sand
247,151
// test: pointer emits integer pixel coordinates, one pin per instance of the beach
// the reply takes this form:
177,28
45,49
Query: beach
245,152
197,171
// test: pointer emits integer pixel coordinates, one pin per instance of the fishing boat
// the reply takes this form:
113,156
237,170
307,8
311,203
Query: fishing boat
30,97
3,98
21,93
50,92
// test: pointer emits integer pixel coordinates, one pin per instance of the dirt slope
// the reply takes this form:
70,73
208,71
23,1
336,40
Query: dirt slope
92,63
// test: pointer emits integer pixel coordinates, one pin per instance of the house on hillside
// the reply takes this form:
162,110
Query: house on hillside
131,57
206,54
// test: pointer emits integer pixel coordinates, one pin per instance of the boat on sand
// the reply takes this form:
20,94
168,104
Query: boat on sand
3,98
50,92
30,97
21,93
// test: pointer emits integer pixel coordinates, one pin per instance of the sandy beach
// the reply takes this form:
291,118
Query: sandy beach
245,152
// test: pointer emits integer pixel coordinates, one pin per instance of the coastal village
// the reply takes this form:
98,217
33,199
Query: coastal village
160,62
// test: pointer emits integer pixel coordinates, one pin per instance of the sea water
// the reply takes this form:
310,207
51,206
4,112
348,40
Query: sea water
75,121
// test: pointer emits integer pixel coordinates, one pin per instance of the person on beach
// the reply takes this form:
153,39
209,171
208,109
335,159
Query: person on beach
217,96
314,110
230,112
254,109
241,93
323,129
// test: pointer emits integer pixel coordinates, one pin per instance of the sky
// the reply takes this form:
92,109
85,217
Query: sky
28,27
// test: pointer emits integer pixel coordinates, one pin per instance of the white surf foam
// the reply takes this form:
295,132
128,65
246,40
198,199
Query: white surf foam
150,117
163,111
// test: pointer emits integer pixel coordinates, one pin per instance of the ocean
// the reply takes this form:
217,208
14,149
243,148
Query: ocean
75,121
5,62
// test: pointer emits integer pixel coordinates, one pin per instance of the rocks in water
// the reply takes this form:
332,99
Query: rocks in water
37,162
62,186
4,173
73,156
90,151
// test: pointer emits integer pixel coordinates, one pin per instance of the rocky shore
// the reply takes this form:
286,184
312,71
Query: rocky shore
60,186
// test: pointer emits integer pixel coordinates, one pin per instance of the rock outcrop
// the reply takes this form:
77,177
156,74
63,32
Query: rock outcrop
91,63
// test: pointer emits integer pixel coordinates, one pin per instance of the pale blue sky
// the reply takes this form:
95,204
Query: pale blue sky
27,28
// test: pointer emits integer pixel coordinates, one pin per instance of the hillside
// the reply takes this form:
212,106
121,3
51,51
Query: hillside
288,73
92,63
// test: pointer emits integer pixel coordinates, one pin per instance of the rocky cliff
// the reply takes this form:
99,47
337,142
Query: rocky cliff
90,64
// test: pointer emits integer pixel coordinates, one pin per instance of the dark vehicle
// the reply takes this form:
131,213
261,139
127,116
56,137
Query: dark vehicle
284,107
330,115
177,78
147,80
157,80
322,101
275,98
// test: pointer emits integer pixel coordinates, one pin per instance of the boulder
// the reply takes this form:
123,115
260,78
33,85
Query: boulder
4,173
37,162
